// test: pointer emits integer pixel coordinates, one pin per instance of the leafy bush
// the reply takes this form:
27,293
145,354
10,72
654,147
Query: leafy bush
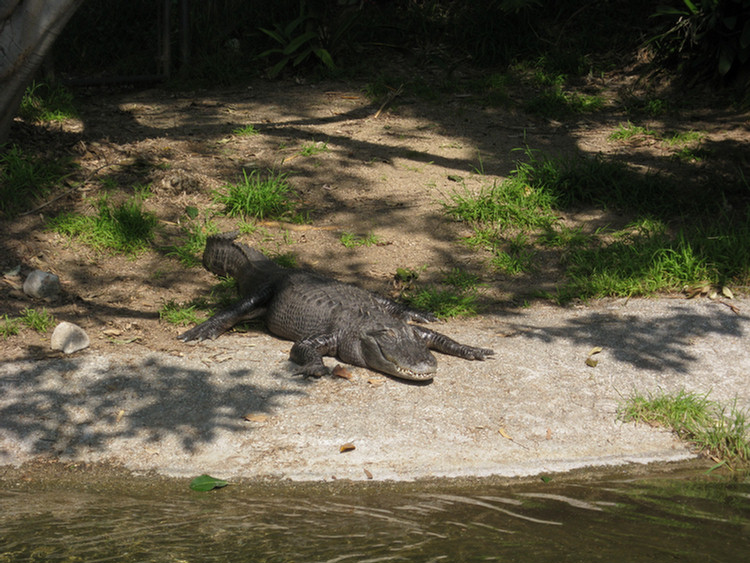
713,35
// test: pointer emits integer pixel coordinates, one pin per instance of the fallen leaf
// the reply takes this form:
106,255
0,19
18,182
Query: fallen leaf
254,417
591,362
549,433
504,434
376,382
349,446
595,350
120,414
368,474
341,371
726,292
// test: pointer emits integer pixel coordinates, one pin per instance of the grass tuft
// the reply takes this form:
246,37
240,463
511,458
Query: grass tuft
40,321
25,179
126,228
259,197
721,432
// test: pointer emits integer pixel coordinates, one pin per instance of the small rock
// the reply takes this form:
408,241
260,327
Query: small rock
42,285
69,338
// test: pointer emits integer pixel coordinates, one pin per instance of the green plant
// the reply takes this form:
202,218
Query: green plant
258,197
511,203
351,240
42,102
710,37
180,314
40,321
24,179
516,258
314,148
189,252
8,326
718,431
246,131
126,228
302,38
459,300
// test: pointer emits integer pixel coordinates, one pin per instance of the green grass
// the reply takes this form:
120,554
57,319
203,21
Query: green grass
9,326
180,314
42,102
246,131
126,228
351,240
456,296
644,262
258,197
679,237
25,179
313,148
190,252
713,429
40,321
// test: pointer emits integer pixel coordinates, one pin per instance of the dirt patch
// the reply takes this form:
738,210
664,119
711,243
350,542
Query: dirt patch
385,175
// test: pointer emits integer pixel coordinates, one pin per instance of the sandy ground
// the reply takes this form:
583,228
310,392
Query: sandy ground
230,407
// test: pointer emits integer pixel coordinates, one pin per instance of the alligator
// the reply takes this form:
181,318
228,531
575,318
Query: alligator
324,317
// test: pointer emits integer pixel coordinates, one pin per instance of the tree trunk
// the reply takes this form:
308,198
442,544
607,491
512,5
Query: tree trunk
28,28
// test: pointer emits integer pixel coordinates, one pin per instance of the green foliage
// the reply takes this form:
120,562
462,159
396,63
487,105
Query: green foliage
25,179
313,148
716,430
459,299
42,102
246,131
190,251
351,240
513,202
712,35
180,314
126,228
8,326
650,260
308,35
258,197
40,321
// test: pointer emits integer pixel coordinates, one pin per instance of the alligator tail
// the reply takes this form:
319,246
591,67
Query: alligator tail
224,257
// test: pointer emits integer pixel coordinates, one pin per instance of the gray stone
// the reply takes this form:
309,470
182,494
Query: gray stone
42,285
69,338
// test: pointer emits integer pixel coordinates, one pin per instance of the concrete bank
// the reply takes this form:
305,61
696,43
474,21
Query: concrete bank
230,407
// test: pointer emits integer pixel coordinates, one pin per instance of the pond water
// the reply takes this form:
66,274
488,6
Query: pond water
698,518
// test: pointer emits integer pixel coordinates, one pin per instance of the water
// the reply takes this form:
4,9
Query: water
696,519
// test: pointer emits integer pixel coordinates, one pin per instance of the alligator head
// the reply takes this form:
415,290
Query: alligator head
398,351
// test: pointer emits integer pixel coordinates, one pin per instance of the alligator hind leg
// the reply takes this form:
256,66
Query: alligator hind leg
441,343
243,310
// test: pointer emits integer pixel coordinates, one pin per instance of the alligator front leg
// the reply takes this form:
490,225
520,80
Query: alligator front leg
243,310
441,343
308,354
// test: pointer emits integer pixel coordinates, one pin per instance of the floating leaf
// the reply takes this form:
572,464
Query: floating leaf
207,483
349,446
